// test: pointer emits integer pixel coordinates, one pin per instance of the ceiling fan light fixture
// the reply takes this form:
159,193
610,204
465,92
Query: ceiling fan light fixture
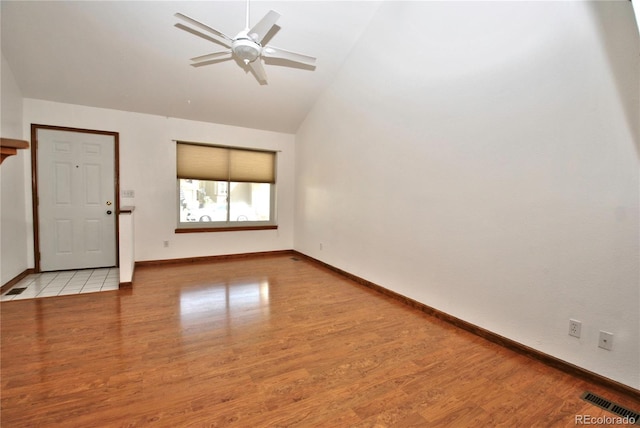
247,50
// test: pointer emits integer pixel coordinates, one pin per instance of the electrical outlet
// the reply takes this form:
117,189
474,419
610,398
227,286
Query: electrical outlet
606,340
165,244
321,246
575,328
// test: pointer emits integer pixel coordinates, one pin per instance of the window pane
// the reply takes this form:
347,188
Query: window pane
250,201
202,200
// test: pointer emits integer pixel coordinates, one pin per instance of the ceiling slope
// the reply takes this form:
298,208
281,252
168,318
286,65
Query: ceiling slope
129,56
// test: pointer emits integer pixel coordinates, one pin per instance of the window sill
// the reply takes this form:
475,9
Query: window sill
224,229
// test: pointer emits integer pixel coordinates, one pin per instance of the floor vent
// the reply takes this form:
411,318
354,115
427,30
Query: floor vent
614,408
295,259
15,291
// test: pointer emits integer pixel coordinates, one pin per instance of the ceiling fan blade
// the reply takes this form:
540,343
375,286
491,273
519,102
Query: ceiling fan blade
258,69
205,27
211,61
273,52
204,36
215,55
258,31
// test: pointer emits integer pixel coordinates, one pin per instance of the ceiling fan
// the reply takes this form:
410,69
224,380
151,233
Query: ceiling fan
246,46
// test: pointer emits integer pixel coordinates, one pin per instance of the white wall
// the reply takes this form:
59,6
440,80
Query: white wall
482,158
13,182
636,10
148,167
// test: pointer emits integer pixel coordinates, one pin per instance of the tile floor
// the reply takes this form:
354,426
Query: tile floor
65,282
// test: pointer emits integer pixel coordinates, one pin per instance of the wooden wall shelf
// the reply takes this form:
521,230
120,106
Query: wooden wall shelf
9,147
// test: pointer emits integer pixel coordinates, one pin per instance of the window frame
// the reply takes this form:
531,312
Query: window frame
228,225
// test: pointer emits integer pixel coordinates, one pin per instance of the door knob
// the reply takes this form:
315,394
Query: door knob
109,212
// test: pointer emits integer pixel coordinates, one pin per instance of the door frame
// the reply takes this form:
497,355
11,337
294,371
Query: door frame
34,184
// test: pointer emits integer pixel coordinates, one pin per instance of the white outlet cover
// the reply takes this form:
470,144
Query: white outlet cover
575,328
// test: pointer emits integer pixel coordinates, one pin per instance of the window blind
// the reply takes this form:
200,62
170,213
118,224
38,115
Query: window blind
214,163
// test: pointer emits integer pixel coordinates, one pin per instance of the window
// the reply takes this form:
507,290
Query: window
223,188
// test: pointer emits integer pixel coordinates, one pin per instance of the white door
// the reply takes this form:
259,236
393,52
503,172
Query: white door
76,195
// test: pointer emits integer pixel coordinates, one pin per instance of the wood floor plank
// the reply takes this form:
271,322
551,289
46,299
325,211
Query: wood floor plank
264,342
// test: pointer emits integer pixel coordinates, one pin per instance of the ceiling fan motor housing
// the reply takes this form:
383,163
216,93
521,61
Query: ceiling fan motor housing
246,49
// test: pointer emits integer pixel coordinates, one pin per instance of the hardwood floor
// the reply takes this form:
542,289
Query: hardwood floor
265,342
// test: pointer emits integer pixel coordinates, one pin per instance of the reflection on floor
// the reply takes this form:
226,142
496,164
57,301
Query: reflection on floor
61,283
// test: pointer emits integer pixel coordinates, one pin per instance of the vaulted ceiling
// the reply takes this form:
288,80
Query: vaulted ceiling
128,55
